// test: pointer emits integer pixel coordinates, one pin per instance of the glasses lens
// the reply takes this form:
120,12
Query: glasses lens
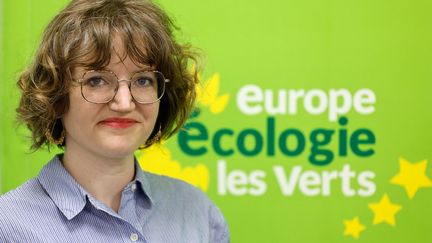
148,86
99,87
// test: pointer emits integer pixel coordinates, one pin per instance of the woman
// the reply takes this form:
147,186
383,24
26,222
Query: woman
108,78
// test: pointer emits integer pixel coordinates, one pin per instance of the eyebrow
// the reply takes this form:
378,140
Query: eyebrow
130,73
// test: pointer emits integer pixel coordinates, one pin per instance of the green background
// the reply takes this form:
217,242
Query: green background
382,45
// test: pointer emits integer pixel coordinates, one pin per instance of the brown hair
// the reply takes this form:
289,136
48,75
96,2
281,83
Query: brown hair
82,35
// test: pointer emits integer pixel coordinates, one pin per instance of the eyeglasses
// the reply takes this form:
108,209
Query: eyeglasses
101,86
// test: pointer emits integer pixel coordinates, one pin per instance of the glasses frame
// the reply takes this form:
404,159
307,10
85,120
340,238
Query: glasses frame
81,81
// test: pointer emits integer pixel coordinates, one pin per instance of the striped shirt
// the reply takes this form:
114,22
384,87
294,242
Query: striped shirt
53,207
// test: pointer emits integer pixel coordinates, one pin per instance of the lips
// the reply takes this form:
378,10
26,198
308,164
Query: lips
118,122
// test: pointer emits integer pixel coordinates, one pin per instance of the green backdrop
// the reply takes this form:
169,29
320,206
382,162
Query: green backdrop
250,145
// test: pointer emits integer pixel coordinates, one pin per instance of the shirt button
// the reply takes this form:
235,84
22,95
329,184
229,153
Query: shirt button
133,237
133,187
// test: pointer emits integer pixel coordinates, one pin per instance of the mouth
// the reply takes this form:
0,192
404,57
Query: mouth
118,122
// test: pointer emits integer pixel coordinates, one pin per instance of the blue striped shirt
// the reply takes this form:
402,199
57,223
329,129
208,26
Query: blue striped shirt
53,207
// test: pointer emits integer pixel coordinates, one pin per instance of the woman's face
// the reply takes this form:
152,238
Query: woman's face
112,130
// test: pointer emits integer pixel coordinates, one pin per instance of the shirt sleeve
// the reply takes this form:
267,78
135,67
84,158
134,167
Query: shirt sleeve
219,232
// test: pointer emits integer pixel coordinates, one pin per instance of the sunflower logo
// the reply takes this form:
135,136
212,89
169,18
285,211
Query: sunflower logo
157,159
208,95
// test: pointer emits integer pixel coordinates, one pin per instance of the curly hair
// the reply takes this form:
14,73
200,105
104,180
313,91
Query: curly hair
82,35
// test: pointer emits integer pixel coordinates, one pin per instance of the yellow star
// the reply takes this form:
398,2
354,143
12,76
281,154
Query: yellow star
412,176
353,227
385,211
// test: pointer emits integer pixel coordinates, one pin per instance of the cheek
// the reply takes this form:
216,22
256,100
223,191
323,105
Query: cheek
75,97
78,109
151,111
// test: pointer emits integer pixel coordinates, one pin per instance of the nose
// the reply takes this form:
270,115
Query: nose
123,100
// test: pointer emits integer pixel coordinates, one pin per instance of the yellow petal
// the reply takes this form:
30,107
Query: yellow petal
219,104
211,90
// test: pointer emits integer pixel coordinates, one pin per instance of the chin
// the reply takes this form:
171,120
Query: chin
120,150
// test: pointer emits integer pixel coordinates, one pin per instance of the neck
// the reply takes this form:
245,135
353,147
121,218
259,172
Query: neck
104,178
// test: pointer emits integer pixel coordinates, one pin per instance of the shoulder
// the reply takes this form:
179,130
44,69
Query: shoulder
22,196
193,203
22,199
164,187
16,206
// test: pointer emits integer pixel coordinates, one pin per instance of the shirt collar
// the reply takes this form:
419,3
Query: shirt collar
68,195
142,179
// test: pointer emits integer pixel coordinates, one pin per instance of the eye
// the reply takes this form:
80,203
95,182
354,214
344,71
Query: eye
96,81
144,81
